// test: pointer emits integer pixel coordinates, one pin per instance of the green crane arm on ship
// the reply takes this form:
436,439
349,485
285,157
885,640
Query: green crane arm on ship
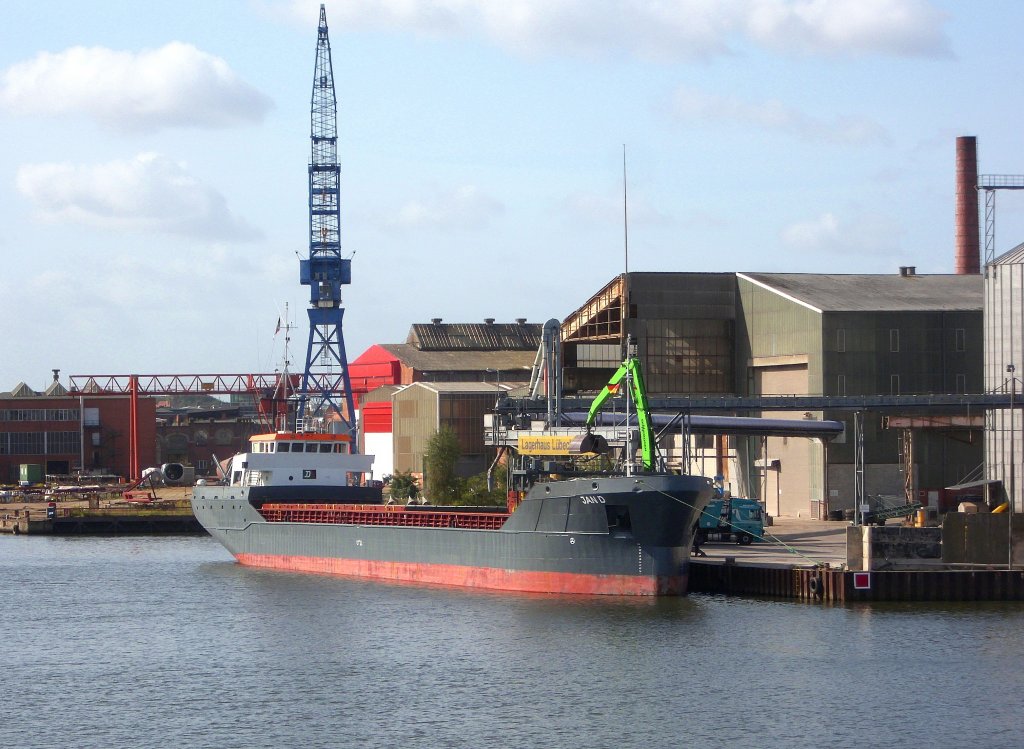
630,366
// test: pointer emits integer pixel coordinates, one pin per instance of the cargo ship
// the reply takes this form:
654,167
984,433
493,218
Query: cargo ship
299,501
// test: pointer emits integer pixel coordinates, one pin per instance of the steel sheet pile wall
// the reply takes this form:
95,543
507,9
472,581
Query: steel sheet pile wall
840,586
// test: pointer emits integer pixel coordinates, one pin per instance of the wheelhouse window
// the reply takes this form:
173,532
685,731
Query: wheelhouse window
283,447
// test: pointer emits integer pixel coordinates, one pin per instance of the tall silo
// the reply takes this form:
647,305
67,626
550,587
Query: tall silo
1004,369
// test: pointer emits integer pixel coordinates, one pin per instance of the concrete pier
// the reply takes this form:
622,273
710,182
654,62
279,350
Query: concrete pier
810,562
111,515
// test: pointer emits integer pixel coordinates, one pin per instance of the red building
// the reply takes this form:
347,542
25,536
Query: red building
58,434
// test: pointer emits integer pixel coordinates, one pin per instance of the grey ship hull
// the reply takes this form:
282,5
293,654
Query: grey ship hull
620,536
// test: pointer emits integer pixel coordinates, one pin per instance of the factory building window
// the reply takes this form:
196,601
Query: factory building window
961,384
894,384
462,414
27,443
961,339
62,443
39,414
841,340
894,339
841,385
688,356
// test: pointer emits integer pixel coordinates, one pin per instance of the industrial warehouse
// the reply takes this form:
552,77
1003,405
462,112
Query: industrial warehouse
698,334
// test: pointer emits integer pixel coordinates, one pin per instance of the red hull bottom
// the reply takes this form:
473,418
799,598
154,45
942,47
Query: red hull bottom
476,577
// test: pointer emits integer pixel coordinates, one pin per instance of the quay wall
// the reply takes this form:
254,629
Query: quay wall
831,585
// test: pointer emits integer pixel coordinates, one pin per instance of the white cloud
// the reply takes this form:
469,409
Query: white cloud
174,86
149,193
894,27
862,235
683,29
465,208
692,104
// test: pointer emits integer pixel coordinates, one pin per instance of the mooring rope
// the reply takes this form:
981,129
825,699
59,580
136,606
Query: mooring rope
766,536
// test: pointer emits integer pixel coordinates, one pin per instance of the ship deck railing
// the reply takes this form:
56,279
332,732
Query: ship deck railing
390,515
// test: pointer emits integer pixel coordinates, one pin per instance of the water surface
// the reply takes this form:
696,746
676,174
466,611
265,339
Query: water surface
166,642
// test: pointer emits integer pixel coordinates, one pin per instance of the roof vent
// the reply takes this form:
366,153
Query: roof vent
435,320
489,320
908,270
521,321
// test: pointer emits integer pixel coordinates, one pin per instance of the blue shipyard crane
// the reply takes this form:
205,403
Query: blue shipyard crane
325,270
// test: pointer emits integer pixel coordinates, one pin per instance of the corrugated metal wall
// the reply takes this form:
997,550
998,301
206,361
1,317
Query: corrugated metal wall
779,344
415,419
1004,346
772,327
899,354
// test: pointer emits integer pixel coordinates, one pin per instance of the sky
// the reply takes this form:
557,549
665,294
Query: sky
153,179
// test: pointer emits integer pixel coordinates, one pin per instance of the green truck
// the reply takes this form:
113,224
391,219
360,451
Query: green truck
731,518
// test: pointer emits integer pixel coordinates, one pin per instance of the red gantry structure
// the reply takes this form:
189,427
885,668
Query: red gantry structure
270,392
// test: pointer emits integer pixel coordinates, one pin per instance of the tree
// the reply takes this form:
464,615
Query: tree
475,492
403,485
439,461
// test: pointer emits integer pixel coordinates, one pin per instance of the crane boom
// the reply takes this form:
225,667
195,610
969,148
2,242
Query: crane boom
630,371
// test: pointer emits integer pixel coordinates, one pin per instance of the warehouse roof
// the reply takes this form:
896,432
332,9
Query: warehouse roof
505,363
1011,257
862,292
486,336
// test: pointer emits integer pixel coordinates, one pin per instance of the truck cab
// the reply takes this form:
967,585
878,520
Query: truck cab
732,518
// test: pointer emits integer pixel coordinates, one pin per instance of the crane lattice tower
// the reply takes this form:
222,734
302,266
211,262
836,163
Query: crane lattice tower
325,380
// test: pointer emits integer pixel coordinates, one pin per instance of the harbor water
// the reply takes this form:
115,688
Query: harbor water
166,642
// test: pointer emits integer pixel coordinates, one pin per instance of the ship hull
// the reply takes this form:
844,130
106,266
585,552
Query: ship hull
619,536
